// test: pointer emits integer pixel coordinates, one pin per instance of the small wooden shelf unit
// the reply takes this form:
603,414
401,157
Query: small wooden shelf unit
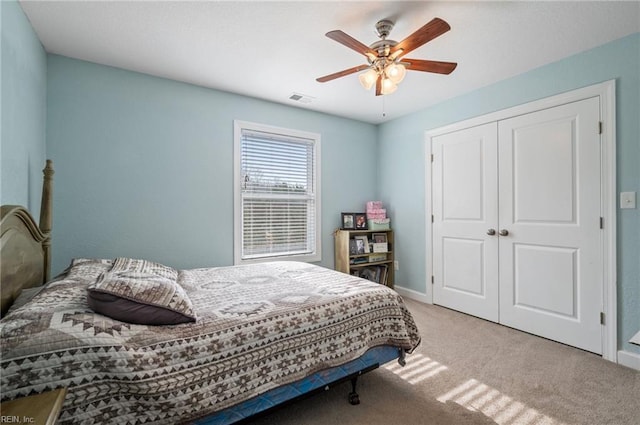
344,259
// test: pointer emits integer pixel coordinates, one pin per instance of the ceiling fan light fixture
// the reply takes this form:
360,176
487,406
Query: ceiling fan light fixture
395,72
368,79
388,86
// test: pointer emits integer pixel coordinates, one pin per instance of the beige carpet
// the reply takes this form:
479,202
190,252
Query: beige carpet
469,371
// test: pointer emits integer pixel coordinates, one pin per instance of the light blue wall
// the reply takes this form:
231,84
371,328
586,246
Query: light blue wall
402,145
23,110
144,165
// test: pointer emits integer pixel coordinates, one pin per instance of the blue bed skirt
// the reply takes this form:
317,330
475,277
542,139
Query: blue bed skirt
371,359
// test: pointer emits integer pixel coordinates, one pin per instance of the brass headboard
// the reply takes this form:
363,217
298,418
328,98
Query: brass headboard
25,247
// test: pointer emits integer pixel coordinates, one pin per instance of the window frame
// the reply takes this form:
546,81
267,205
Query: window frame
238,127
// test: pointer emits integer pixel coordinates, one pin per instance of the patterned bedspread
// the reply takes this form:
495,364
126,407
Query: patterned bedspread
259,326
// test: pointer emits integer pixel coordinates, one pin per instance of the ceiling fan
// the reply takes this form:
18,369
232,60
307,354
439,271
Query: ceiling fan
387,65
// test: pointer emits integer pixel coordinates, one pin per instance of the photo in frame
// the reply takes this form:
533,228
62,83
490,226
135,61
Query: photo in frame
362,243
353,247
379,237
348,221
369,273
360,220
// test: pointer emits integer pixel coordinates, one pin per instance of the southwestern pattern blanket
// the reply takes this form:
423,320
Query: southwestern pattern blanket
258,327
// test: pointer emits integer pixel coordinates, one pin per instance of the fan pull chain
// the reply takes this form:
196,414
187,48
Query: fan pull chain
384,113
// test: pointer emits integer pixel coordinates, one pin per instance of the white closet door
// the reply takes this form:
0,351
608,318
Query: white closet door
465,207
549,189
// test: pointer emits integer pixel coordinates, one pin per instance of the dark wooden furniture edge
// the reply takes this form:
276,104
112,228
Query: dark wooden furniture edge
37,409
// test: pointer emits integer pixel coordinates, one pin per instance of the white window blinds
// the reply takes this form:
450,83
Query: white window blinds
278,194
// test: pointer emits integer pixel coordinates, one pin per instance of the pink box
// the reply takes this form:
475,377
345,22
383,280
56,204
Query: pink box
376,214
374,205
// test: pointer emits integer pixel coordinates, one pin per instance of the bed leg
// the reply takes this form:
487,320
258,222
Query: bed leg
353,395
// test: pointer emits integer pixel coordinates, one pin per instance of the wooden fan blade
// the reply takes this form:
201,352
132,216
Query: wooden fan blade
346,40
379,85
429,66
341,73
427,32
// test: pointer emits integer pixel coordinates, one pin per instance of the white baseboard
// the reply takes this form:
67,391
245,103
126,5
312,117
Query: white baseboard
414,295
629,359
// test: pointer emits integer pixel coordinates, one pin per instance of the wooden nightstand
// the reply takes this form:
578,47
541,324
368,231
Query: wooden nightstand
39,409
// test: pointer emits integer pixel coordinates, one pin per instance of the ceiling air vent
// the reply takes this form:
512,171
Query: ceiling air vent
302,98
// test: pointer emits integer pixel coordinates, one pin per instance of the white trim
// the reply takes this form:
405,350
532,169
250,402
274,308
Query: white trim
237,199
238,126
608,201
429,213
606,92
600,89
412,294
629,359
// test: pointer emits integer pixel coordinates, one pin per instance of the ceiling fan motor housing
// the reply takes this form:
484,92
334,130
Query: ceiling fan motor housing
383,28
382,47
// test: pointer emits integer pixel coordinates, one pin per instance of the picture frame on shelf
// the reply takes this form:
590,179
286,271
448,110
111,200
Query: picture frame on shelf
360,220
380,247
379,237
348,221
376,274
359,246
363,243
369,273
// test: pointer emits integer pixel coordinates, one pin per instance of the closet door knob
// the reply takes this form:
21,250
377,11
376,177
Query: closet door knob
503,232
491,232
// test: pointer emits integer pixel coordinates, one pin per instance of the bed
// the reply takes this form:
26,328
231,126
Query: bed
247,338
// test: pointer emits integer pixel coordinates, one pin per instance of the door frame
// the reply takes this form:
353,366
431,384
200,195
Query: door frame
606,92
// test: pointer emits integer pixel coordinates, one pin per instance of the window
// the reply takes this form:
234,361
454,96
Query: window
277,194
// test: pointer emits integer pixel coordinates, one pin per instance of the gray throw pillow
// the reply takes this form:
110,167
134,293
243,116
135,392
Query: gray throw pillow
140,297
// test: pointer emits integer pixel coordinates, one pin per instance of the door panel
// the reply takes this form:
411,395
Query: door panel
545,279
544,172
549,189
462,265
465,257
535,179
462,179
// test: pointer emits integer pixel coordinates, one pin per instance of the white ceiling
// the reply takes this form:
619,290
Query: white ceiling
270,50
